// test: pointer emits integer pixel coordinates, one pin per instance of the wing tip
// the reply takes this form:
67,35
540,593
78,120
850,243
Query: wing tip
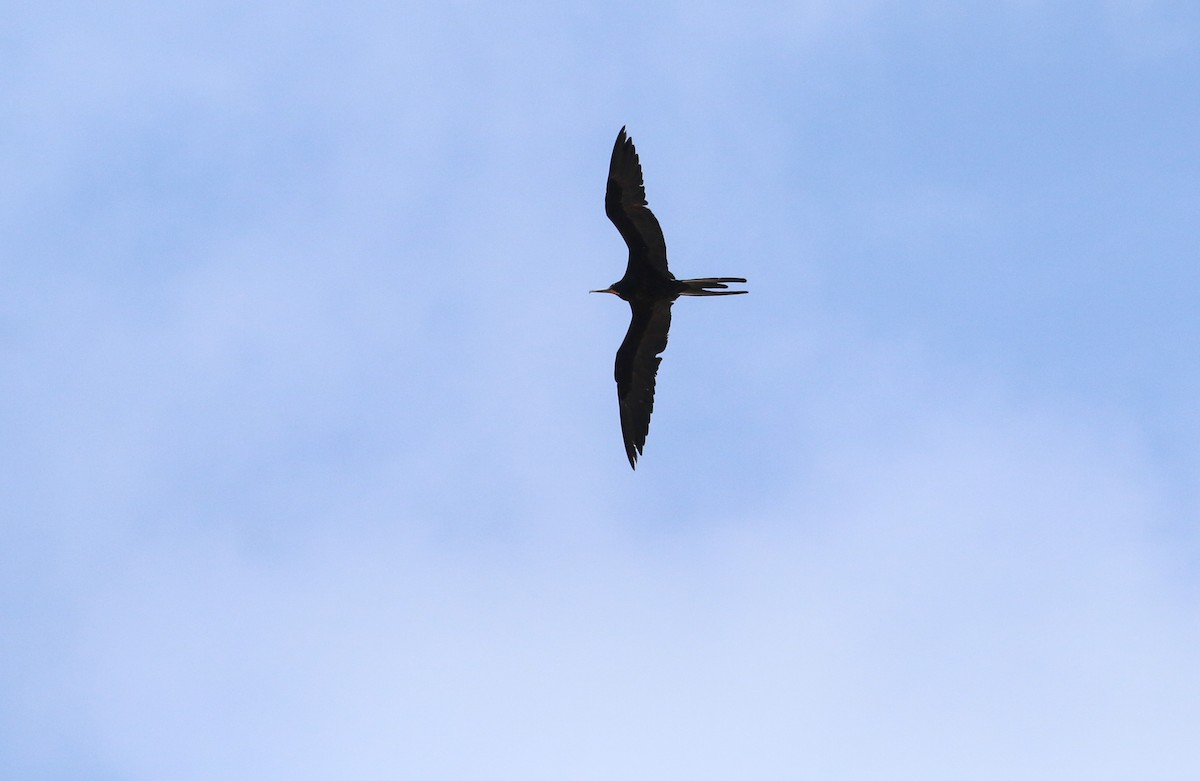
632,451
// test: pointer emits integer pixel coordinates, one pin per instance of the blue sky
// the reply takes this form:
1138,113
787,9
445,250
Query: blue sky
309,445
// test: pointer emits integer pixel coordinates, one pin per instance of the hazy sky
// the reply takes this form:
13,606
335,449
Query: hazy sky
310,463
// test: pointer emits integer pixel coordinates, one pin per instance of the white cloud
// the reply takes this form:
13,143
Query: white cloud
979,594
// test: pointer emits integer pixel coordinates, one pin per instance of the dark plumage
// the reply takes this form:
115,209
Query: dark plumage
649,287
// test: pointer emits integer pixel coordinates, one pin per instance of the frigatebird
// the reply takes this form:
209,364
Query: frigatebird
649,287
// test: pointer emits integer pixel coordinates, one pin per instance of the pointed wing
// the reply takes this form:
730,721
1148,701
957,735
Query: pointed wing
625,205
637,367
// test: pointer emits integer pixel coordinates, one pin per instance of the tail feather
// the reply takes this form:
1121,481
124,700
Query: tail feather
701,287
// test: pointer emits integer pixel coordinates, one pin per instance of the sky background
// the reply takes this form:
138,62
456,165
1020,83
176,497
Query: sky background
310,461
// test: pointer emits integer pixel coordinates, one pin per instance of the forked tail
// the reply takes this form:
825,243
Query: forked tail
700,287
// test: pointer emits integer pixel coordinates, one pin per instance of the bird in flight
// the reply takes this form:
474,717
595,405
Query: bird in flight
649,287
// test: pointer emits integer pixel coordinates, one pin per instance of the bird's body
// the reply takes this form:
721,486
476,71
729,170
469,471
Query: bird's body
649,287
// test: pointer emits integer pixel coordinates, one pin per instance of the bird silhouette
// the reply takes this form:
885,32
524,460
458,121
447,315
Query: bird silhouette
649,287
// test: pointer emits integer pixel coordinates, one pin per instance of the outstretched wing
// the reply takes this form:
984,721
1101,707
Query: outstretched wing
625,205
637,367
